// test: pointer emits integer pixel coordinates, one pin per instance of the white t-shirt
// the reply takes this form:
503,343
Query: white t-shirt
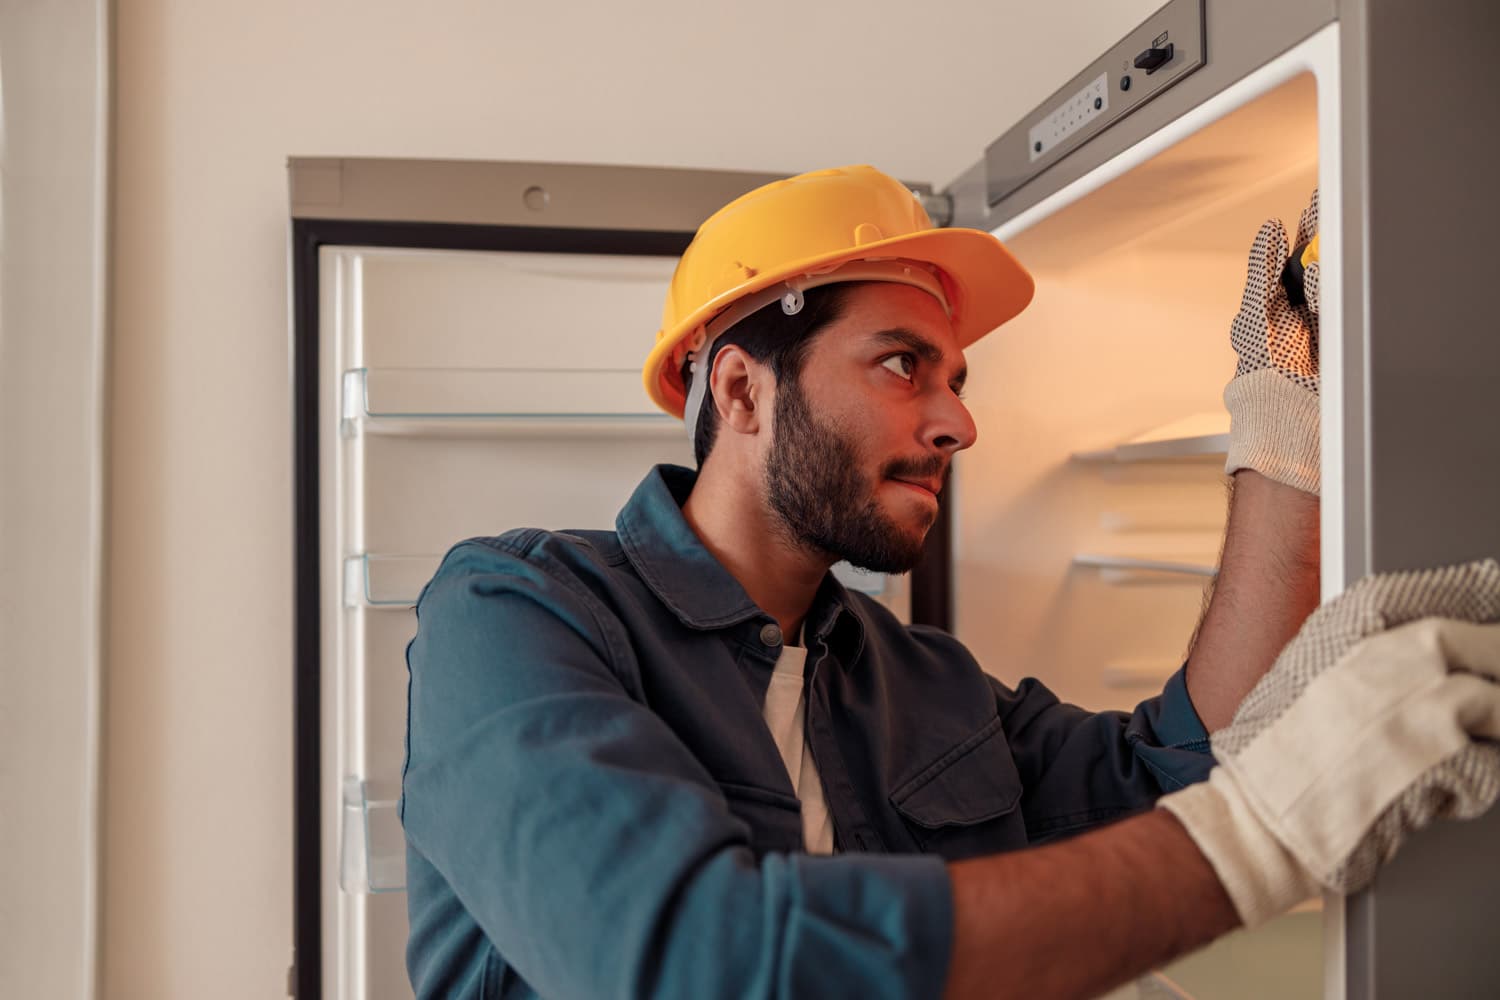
786,713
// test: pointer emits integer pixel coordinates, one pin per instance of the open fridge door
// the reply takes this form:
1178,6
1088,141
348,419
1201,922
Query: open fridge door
467,343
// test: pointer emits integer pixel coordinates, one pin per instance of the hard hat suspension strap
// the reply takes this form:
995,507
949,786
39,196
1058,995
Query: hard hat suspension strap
700,344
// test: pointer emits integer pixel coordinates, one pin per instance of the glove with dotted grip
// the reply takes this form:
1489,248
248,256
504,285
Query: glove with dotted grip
1273,397
1379,717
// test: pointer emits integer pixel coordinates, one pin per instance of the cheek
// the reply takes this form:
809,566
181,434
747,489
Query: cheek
858,428
869,425
887,431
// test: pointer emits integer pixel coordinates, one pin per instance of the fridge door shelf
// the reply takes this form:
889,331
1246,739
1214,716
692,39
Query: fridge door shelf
386,582
1204,435
1136,674
500,402
372,845
1132,569
1157,986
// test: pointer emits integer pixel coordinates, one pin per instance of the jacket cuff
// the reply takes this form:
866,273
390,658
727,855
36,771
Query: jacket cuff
1174,744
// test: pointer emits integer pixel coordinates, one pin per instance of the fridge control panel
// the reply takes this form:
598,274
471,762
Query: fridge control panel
1080,111
1166,48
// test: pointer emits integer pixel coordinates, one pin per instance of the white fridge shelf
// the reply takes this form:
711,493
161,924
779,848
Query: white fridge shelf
1133,674
1131,569
372,845
493,402
386,581
1204,435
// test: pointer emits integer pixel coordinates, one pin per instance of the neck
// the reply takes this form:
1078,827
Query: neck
727,512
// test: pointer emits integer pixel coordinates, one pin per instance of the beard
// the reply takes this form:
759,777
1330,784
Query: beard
814,485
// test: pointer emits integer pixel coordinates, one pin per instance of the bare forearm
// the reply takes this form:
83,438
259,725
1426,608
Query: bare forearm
1267,585
1077,918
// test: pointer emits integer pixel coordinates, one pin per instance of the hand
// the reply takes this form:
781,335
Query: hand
1378,718
1273,397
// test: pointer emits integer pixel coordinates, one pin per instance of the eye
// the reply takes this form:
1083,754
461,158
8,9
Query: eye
901,365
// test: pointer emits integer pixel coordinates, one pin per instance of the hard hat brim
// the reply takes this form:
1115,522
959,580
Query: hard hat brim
988,288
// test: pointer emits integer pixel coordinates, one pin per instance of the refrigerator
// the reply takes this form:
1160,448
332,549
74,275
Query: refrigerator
466,339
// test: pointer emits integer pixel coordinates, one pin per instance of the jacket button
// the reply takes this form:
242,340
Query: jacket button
771,635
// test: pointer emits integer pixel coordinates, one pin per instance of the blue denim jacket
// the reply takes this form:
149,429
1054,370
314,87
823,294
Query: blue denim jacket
594,806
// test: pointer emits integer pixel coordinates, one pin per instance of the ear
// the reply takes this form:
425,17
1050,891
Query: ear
742,387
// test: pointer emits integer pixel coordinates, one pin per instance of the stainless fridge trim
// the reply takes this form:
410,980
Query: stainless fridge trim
515,193
1421,211
533,195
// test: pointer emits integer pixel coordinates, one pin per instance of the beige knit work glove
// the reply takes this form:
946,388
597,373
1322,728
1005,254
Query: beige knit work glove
1378,718
1273,397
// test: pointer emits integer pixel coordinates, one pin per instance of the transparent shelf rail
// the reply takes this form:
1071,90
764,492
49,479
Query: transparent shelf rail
372,846
1138,673
1131,569
386,581
499,402
1203,435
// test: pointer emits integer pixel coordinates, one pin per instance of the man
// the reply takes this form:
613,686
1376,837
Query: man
678,759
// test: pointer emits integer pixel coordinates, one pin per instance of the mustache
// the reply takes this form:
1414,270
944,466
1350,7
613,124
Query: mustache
926,467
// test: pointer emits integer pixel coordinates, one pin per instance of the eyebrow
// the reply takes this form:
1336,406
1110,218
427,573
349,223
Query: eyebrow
900,336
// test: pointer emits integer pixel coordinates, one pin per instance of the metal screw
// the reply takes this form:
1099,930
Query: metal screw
536,198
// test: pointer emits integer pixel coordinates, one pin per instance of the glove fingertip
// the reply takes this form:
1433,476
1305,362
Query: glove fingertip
1310,280
1307,223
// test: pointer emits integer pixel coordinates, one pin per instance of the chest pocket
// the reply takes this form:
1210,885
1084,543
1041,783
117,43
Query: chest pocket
775,820
966,802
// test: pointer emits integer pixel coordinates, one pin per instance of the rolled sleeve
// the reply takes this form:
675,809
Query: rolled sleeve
1166,733
590,847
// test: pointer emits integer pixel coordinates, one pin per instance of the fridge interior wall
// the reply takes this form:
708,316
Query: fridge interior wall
1126,339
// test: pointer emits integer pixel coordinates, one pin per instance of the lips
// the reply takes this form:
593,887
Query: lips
926,485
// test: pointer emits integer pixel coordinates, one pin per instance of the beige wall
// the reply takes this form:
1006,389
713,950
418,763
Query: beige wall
211,98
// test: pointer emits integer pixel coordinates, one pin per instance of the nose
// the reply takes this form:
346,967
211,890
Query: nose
949,427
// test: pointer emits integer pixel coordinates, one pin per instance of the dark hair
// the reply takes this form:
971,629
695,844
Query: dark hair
769,335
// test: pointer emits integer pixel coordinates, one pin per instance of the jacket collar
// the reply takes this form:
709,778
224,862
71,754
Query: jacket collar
685,576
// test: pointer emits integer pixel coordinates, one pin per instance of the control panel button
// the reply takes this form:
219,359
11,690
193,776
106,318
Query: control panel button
1154,58
1125,82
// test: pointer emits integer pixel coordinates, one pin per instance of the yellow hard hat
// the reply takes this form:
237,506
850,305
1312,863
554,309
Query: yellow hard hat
811,225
